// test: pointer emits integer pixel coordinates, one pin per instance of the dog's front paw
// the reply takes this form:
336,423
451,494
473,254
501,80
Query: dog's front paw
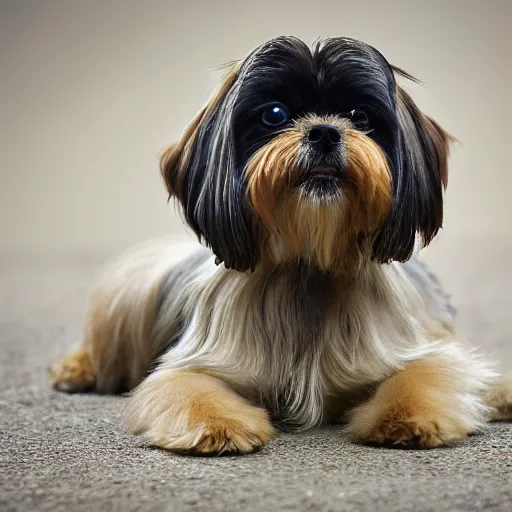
196,413
419,407
405,429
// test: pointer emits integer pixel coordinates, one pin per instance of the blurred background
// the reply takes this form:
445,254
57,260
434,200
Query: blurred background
92,90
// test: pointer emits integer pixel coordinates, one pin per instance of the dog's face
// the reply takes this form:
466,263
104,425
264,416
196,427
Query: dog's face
312,155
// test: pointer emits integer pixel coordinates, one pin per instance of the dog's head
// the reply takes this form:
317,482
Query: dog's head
313,155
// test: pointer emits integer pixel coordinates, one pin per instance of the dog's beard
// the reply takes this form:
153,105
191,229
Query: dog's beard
321,188
319,208
322,178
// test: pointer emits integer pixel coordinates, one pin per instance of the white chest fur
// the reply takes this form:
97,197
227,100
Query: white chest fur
292,337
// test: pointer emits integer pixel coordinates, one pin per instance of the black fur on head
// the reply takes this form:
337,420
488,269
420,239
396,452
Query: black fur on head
205,169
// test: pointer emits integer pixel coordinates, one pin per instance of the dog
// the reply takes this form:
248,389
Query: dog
311,178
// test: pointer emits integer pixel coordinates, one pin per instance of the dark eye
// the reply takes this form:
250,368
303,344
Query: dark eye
359,119
274,115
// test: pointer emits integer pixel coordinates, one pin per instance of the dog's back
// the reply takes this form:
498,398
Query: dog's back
437,313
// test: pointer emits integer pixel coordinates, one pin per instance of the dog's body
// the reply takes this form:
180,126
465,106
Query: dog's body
310,320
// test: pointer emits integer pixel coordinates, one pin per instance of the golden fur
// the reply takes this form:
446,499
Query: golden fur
417,406
198,413
270,171
291,222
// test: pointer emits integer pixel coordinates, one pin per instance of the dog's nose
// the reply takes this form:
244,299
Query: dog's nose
324,137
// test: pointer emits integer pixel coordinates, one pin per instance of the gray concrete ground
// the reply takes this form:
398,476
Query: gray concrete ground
61,452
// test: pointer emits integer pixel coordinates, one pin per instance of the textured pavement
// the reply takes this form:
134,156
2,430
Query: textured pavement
70,452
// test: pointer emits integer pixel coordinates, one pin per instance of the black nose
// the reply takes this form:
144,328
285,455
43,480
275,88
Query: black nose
324,137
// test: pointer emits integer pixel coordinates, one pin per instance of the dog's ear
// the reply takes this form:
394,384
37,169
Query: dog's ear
420,174
201,171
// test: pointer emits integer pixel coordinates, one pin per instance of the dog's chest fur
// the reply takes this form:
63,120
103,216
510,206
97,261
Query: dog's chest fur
294,338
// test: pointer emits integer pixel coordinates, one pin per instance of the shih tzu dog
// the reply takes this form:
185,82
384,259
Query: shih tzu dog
310,175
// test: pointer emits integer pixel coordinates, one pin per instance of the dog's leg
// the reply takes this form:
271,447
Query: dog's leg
431,402
196,413
134,312
499,400
120,340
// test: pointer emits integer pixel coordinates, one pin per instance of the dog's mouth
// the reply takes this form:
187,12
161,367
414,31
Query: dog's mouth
321,176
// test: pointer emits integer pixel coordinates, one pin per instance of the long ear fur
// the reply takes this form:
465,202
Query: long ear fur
200,171
420,177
